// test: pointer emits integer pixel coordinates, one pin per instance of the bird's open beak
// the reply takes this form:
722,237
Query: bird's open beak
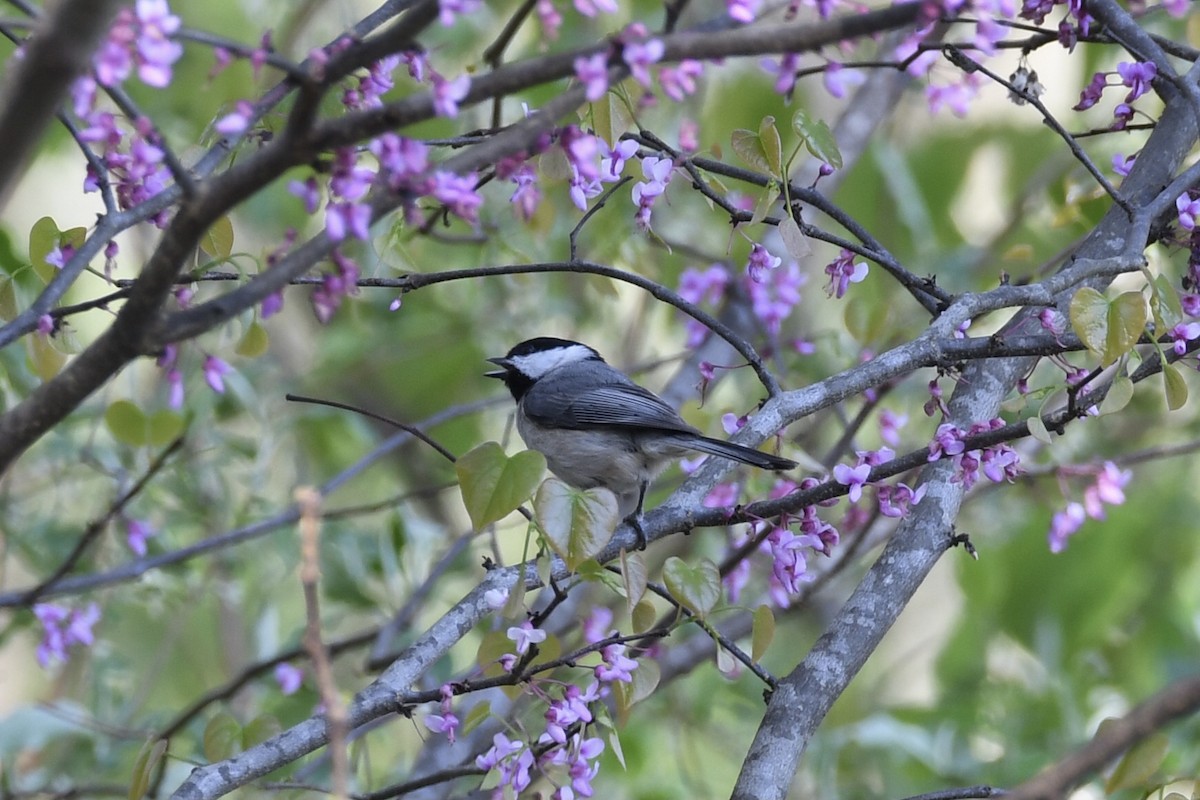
502,373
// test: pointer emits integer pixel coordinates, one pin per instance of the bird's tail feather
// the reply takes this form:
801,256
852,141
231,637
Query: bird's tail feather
737,452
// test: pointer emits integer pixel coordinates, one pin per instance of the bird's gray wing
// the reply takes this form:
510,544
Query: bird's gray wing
614,404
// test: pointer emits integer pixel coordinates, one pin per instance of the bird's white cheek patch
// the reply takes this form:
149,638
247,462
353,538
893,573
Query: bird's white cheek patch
535,365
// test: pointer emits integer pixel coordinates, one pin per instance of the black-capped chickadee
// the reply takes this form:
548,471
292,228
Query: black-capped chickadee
596,427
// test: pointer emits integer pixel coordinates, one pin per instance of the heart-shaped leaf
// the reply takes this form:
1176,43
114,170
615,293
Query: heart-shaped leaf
818,138
1164,302
254,341
222,737
1118,396
1108,329
217,241
576,522
633,576
643,616
794,239
1126,321
696,588
259,729
1089,319
749,147
772,145
126,422
143,767
1137,767
493,485
1176,388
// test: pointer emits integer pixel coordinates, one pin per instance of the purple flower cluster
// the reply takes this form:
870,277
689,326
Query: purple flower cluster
842,272
1108,489
999,462
1137,76
446,722
63,628
140,37
774,292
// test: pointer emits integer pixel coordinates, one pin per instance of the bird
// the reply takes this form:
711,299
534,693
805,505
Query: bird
597,428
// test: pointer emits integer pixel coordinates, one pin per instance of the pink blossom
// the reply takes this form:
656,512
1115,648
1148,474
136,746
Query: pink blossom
308,191
458,193
136,533
448,94
853,477
1063,525
237,121
842,272
526,636
597,625
743,11
680,81
592,72
549,17
838,80
215,371
449,9
589,8
639,56
289,677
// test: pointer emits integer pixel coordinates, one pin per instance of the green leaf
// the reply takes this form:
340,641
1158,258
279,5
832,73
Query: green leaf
478,713
818,138
749,147
577,523
1119,395
9,308
222,737
254,341
163,427
645,680
726,664
1089,319
1176,388
259,729
1126,321
1164,302
1136,767
46,359
494,485
794,239
765,201
763,631
633,576
126,422
217,241
43,238
614,743
643,616
1037,429
143,767
772,145
697,588
495,644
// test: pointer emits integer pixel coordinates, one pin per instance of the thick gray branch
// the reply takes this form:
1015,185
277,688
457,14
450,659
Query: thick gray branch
58,51
806,694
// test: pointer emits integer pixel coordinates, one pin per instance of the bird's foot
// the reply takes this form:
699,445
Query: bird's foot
634,521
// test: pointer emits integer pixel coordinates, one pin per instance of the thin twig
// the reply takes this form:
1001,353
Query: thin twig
336,719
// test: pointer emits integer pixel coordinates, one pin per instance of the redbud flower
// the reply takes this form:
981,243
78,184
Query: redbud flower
215,371
289,678
525,636
592,72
